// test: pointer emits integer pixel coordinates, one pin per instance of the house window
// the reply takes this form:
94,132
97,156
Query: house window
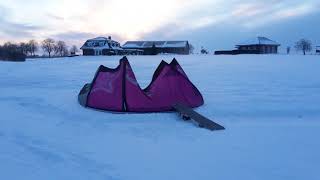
98,52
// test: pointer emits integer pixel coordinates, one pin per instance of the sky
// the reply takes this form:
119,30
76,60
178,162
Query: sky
213,24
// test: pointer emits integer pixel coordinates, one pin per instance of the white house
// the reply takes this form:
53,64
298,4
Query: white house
101,46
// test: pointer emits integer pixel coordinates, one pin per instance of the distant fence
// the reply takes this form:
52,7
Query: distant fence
236,52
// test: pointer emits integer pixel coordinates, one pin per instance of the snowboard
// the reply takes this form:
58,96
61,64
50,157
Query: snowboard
188,113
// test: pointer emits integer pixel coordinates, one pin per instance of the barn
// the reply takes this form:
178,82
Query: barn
260,45
101,46
158,47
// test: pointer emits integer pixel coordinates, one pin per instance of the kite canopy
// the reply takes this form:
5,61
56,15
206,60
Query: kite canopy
118,90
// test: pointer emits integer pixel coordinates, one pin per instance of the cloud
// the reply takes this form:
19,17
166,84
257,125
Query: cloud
199,20
55,17
247,14
72,35
82,36
78,38
281,14
15,30
282,20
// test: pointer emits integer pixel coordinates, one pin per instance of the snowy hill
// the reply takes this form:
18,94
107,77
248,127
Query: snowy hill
268,104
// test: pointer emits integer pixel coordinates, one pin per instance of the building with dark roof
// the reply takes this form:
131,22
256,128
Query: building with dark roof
257,45
101,46
158,47
262,45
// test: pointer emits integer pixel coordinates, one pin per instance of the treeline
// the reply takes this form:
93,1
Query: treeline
13,52
57,48
50,48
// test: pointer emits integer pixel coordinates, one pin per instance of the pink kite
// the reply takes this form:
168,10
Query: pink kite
118,90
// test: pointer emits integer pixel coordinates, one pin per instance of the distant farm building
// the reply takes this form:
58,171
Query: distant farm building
258,45
261,44
158,47
101,46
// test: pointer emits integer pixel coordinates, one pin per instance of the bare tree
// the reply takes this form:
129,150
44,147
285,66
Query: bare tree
12,52
1,51
74,50
303,45
33,47
191,48
61,48
48,46
204,51
65,52
154,50
24,48
288,49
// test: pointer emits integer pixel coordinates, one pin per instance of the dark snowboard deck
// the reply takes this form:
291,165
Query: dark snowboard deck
202,121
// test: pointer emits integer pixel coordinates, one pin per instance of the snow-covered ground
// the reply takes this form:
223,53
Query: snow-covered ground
270,106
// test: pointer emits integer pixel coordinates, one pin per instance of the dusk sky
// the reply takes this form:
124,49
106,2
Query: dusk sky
214,24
